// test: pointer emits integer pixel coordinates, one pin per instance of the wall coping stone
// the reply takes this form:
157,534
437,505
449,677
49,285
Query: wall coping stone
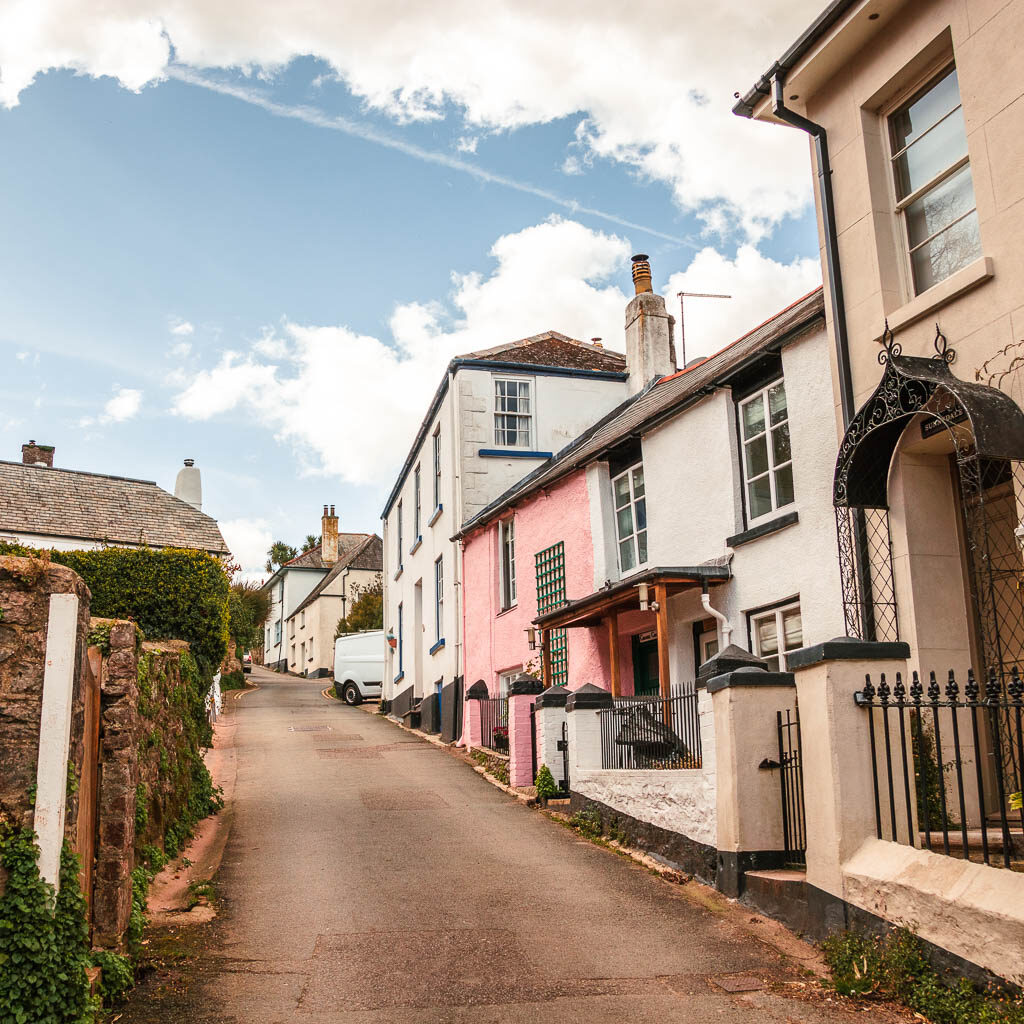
750,676
478,691
589,697
553,697
729,659
846,648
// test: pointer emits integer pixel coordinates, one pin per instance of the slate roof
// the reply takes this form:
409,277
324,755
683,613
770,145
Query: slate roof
313,558
662,398
368,555
72,504
553,349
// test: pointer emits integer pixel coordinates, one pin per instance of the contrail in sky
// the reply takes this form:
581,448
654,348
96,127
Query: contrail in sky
361,130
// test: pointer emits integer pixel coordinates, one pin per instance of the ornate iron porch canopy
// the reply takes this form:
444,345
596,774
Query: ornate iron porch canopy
912,385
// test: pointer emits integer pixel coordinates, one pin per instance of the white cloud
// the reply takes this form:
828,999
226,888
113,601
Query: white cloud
467,143
349,404
759,287
664,111
182,329
180,349
248,540
124,405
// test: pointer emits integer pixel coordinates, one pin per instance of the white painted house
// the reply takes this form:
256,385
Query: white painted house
294,581
496,415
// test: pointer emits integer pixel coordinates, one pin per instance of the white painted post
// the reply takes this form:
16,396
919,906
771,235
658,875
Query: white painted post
55,733
583,709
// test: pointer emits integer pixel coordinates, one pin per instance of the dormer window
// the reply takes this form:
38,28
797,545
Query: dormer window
513,413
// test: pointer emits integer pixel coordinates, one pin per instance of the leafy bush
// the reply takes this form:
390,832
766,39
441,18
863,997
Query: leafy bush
117,977
588,822
232,681
367,611
248,608
895,967
171,593
545,783
44,942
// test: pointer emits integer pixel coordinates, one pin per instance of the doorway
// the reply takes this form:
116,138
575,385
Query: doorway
645,665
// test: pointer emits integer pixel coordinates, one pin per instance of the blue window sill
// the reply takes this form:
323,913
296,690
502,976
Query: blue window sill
512,453
437,646
437,515
399,677
416,546
401,569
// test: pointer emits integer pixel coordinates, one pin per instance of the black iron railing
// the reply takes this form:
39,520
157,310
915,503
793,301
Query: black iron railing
494,724
965,756
651,732
791,773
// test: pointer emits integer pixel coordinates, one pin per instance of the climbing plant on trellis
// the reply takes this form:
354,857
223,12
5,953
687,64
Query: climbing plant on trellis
550,564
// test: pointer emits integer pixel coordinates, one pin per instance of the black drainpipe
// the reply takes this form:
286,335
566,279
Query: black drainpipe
828,223
835,288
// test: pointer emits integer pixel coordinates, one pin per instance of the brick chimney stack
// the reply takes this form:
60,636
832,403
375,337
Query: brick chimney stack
329,537
33,454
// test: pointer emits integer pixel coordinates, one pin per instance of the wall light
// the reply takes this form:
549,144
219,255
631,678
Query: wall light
642,591
531,637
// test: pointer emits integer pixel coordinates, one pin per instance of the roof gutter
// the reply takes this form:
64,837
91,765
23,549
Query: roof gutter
828,223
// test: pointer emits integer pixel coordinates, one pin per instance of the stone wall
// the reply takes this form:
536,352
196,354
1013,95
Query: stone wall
25,588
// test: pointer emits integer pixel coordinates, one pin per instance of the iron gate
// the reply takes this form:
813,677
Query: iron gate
791,773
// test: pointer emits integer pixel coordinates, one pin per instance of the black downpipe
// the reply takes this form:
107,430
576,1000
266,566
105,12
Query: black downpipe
835,288
828,223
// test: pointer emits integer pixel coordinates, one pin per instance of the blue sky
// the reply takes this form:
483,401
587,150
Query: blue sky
150,232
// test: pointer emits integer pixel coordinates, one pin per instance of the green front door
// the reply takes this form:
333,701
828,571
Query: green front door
645,665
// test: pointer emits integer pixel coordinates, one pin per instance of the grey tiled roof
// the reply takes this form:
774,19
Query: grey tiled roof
368,555
95,507
662,398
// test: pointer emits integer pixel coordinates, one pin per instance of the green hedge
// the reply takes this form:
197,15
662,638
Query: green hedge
173,593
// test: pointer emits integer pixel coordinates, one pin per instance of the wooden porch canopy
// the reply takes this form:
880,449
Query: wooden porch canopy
605,605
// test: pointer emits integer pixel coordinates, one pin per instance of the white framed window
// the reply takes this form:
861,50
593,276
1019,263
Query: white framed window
416,505
505,679
513,413
311,648
932,178
708,645
398,533
437,467
439,598
767,451
630,517
277,632
776,631
401,640
302,620
507,562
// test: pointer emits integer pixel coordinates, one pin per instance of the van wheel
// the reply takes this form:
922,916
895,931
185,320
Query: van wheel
350,695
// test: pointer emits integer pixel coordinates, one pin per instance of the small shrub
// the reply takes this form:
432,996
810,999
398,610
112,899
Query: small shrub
545,783
588,823
895,967
118,974
232,681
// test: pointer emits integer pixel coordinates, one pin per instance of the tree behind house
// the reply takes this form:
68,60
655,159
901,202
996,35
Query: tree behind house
248,608
367,611
278,554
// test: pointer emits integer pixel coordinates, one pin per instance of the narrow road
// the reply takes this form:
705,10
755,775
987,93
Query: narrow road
370,876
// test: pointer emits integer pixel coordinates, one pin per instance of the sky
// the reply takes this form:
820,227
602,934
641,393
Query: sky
257,241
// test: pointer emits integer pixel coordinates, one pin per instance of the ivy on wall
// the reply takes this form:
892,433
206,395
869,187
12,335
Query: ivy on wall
44,941
172,592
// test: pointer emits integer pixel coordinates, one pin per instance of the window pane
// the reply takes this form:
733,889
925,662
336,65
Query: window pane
792,629
753,417
947,253
767,635
923,112
641,543
621,491
939,149
783,486
777,403
781,448
759,495
940,206
626,558
624,522
757,457
641,515
638,482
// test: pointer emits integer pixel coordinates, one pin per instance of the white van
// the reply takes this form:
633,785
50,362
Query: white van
359,666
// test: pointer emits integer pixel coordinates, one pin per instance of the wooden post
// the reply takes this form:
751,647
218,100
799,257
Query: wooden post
661,596
545,658
612,625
